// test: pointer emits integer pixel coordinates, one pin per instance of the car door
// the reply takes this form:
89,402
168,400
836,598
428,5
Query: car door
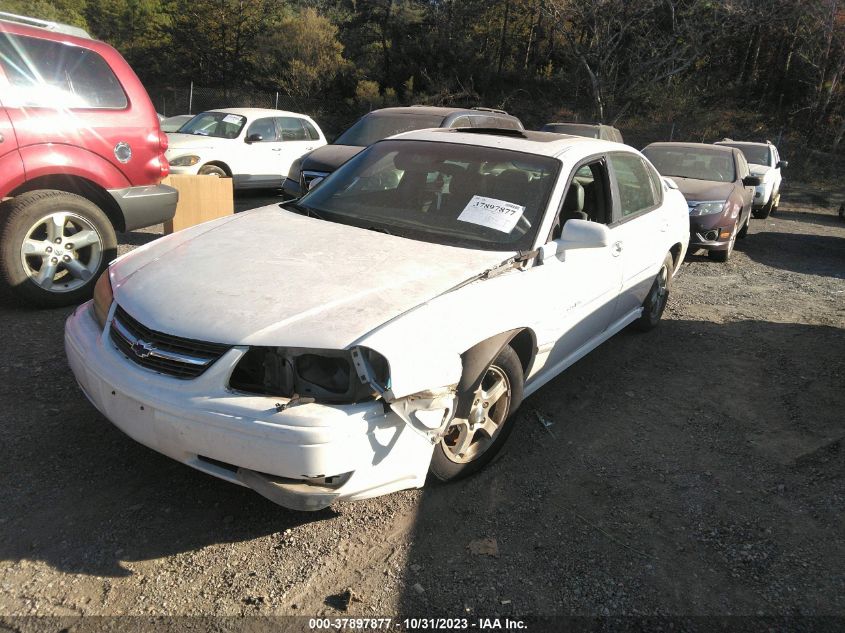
582,284
639,229
295,141
11,165
260,151
742,171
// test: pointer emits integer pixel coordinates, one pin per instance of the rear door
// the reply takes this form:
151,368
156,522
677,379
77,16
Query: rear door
295,141
11,165
639,229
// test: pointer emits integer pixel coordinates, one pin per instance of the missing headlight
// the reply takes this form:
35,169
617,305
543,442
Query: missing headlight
325,375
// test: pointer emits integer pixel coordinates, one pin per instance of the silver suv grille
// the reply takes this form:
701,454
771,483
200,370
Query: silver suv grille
171,355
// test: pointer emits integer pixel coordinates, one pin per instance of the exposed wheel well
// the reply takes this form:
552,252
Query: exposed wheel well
523,345
81,187
676,254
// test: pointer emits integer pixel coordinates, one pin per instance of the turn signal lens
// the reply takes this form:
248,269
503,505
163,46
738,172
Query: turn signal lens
725,235
103,299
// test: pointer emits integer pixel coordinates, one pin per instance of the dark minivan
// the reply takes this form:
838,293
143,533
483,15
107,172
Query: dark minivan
380,124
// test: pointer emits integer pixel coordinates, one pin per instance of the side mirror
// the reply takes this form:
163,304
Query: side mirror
751,181
253,138
314,183
670,183
584,234
781,164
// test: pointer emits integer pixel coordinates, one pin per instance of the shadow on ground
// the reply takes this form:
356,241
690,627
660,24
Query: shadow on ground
681,475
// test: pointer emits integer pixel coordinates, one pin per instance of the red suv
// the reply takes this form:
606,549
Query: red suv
81,155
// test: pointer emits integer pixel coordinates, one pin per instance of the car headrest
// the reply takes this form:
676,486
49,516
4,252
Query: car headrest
574,200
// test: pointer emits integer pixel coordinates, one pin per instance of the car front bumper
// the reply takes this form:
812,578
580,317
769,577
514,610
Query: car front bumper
304,458
705,231
145,206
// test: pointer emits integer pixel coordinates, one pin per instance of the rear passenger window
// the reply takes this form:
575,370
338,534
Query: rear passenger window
42,73
311,131
636,187
291,129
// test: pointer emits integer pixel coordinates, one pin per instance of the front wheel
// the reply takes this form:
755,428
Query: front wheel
744,230
53,247
657,298
763,212
212,170
469,444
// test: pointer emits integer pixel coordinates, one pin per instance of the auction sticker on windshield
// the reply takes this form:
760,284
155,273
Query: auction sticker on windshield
495,214
232,118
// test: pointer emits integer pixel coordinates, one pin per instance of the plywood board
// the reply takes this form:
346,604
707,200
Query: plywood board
201,198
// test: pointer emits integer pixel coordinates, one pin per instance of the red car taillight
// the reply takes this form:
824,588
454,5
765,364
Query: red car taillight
162,141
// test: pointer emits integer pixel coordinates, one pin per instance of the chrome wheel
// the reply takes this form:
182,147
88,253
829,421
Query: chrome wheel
61,252
467,439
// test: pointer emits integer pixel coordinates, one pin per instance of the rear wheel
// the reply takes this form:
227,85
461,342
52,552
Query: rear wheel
657,298
53,247
468,445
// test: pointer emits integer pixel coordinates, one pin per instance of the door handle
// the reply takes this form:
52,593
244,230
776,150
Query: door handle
616,249
664,227
277,149
308,149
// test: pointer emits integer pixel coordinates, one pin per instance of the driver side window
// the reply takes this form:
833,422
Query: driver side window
265,128
586,197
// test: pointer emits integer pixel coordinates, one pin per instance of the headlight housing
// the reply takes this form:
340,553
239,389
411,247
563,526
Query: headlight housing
326,375
189,160
709,208
103,298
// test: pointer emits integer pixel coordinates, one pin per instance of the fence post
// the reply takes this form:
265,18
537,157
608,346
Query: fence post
191,99
277,101
672,132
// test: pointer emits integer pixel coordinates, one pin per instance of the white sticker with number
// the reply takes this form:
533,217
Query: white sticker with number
232,118
495,214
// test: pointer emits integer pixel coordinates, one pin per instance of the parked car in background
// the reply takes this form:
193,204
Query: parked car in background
380,124
765,163
253,146
173,123
590,130
81,156
334,349
718,187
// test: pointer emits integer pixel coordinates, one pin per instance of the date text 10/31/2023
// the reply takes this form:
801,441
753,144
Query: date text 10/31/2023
418,624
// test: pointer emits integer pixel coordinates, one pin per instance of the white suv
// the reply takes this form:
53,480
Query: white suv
256,147
389,322
765,163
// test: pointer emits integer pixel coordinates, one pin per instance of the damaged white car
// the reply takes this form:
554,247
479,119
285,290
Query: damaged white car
387,324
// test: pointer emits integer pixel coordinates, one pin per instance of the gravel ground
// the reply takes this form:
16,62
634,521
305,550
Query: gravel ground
694,470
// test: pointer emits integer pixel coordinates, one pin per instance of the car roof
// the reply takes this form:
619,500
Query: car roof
252,113
542,143
678,145
436,110
594,125
732,143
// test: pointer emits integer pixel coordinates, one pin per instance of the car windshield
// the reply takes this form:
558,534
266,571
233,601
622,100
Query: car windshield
446,193
216,124
591,131
686,162
757,154
374,127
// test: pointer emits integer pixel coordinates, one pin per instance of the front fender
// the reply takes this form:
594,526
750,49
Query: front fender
425,347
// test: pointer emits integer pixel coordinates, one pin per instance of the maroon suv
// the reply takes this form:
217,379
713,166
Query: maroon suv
81,155
719,189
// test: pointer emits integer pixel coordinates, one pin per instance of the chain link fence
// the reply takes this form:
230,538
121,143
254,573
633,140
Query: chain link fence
193,99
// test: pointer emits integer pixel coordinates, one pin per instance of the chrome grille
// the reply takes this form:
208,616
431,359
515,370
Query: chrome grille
171,355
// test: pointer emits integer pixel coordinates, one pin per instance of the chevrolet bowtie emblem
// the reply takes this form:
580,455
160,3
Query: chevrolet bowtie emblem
142,349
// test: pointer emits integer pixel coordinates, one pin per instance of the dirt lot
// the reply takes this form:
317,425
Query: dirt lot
695,470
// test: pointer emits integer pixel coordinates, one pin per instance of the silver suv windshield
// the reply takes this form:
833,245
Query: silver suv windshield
699,164
447,193
374,127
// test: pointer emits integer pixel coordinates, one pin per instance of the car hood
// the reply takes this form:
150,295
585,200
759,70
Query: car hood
329,157
190,141
272,277
700,190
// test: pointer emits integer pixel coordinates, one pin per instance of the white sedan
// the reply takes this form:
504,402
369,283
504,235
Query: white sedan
256,147
387,324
